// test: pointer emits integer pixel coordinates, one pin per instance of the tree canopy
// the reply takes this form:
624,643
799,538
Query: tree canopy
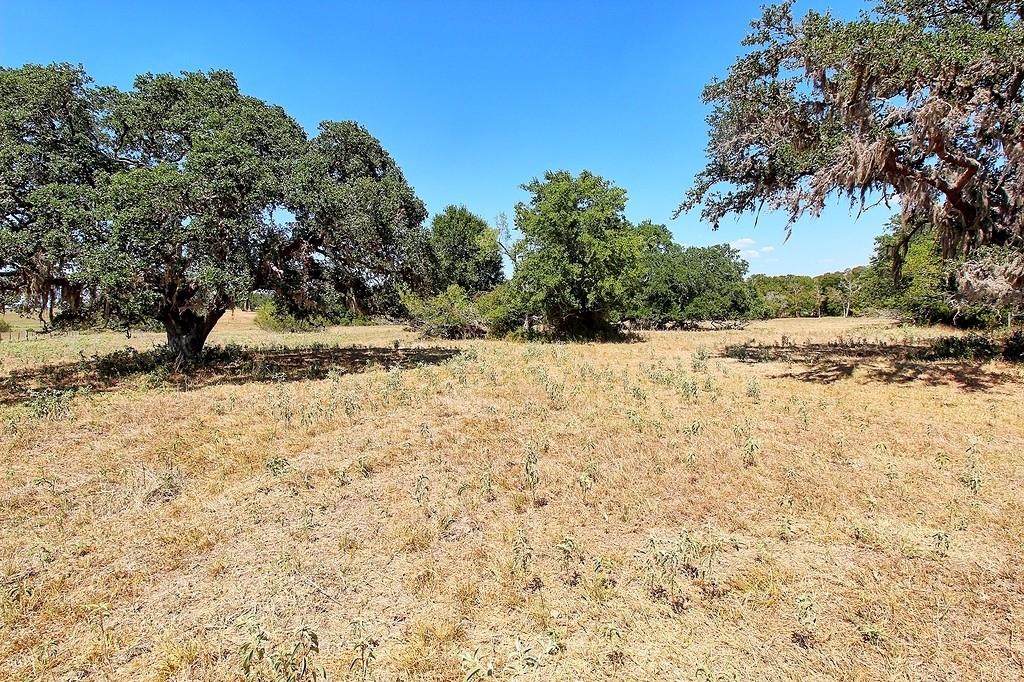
916,101
576,244
466,252
672,283
51,160
171,201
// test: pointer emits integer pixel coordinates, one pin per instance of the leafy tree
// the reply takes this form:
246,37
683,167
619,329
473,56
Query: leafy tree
850,287
50,164
677,284
787,295
358,224
658,286
576,244
922,290
716,276
465,251
917,100
165,202
187,223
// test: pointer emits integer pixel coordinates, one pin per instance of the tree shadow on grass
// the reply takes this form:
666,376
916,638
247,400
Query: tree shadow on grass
895,363
219,365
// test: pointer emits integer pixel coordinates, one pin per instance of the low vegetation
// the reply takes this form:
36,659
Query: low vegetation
828,503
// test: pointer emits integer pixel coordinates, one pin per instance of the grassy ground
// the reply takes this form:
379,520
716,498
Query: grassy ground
651,510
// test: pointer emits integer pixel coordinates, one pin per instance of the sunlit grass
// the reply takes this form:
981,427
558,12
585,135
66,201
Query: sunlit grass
652,510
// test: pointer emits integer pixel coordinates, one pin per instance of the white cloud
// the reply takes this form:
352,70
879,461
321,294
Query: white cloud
767,249
750,254
742,243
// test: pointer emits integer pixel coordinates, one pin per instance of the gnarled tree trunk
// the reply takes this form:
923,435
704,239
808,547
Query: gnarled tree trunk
187,331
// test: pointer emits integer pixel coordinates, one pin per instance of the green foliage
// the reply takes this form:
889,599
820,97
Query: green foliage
926,288
5,326
271,318
51,403
576,245
159,203
717,290
50,167
581,268
1013,346
922,289
786,295
829,294
449,315
503,309
357,214
465,251
262,661
867,108
671,283
969,347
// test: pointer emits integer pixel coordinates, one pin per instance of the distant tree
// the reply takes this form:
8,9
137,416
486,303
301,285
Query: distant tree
465,251
849,288
718,290
788,295
676,284
576,244
917,100
659,285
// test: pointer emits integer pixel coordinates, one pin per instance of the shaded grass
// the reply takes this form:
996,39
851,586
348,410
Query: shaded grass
961,360
218,365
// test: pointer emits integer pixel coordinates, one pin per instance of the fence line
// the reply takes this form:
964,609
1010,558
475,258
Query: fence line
14,336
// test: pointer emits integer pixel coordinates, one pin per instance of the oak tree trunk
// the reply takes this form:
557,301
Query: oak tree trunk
187,331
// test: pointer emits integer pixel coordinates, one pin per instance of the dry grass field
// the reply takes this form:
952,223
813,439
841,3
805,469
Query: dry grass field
662,509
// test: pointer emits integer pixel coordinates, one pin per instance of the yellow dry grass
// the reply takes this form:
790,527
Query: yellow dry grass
651,510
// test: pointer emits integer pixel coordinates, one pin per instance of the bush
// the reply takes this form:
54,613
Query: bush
968,347
5,326
272,319
501,312
449,315
92,318
1013,347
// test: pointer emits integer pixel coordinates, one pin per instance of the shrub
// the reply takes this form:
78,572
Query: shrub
50,403
449,315
968,347
5,326
270,318
501,311
1013,347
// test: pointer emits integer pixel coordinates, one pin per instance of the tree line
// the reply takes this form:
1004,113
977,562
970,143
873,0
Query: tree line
172,202
581,269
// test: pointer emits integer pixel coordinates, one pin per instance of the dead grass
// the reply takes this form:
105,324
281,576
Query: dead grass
653,510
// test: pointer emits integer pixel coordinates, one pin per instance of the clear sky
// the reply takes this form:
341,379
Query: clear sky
472,98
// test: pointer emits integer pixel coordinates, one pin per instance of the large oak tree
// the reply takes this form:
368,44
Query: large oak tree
917,101
173,201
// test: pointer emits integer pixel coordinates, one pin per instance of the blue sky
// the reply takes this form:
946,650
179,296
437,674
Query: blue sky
471,98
